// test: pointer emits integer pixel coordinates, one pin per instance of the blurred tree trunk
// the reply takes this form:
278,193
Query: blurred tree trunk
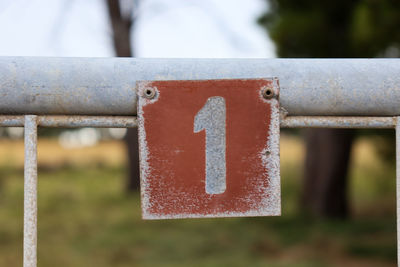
326,167
121,27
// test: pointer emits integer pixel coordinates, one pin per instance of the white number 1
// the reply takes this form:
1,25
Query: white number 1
211,118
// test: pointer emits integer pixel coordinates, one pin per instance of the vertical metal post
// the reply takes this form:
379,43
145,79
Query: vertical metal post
398,186
30,192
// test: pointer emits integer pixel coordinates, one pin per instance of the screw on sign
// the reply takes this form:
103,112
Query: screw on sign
209,148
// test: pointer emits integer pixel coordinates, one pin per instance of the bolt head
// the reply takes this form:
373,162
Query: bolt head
149,93
268,92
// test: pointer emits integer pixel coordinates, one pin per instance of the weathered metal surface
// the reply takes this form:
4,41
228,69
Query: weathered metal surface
398,186
106,86
88,121
78,86
131,121
180,136
12,120
338,122
30,192
60,121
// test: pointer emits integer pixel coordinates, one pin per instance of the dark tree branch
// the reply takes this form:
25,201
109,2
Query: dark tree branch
121,28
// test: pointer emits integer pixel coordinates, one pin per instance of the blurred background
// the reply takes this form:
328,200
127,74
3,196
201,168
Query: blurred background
338,186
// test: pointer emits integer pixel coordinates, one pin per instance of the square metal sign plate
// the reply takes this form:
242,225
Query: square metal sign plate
209,148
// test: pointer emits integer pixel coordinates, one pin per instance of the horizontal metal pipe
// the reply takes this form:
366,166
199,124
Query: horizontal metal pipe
63,121
11,121
106,86
338,122
88,121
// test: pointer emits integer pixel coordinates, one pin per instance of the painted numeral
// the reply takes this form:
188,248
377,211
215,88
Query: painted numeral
212,118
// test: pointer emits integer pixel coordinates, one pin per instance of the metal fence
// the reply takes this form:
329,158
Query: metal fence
100,92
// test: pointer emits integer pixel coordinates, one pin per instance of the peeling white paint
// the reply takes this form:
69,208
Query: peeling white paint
143,149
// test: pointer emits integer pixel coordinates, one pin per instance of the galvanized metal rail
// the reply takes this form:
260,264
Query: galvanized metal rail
30,191
106,86
61,121
100,92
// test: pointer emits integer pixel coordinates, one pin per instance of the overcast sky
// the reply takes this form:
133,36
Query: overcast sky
165,28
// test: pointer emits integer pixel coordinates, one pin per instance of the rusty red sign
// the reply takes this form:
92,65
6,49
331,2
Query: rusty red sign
209,148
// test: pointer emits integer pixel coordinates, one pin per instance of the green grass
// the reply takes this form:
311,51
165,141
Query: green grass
85,219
